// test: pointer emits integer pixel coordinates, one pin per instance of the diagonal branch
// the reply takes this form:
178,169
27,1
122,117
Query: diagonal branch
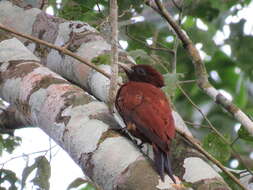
60,49
81,125
210,126
201,73
211,158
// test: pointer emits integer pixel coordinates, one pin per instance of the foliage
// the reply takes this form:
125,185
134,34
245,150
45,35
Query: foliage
81,184
10,177
230,182
104,59
43,173
9,143
230,72
217,147
244,134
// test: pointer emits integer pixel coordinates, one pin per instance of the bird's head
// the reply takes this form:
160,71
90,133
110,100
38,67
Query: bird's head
144,73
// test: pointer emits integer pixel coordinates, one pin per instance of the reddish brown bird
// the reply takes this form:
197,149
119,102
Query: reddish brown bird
147,113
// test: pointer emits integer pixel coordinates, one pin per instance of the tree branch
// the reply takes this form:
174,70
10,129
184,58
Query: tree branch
114,53
67,137
210,126
81,125
160,48
60,49
77,122
201,73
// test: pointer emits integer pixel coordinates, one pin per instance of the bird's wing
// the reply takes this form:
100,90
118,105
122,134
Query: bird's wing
147,107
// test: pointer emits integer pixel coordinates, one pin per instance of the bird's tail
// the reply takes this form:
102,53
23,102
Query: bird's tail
162,163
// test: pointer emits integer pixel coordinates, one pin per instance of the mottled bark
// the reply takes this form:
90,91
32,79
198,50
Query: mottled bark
10,119
74,119
81,125
76,36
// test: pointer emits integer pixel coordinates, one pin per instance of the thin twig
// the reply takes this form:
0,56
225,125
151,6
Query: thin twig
152,5
175,45
233,142
177,6
156,60
50,147
203,115
60,49
210,126
211,158
237,156
186,81
161,48
153,47
201,72
196,124
114,53
234,152
28,154
126,11
174,61
164,13
155,39
97,4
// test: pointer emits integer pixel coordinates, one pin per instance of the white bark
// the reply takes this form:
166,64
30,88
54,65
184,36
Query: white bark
77,122
237,113
73,118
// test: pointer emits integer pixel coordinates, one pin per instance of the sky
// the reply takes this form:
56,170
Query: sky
63,168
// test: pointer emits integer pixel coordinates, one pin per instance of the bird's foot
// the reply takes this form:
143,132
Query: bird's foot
125,132
140,145
119,129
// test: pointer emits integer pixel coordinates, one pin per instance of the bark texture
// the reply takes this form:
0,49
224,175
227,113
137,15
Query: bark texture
77,121
74,119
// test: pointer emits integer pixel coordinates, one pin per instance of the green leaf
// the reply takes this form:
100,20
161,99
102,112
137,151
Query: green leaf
170,83
43,173
104,59
9,143
78,11
244,134
241,97
10,176
141,57
217,147
26,172
189,23
1,145
203,9
230,182
76,183
81,184
88,187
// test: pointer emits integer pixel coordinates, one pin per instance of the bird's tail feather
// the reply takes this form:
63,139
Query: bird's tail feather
162,163
167,167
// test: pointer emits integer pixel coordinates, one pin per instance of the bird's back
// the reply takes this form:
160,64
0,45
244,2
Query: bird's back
146,106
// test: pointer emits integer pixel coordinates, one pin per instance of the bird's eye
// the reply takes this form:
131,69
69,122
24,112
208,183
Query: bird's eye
140,71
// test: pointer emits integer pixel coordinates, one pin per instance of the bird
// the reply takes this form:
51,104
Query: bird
147,113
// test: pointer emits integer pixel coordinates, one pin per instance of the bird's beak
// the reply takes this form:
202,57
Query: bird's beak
126,67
